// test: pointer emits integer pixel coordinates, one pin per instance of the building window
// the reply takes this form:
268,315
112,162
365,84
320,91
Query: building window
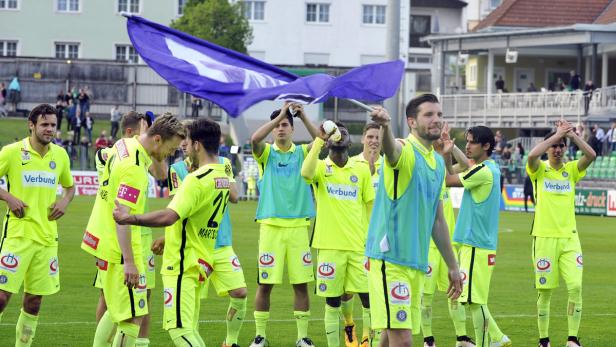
317,13
67,50
130,6
8,4
67,6
472,73
8,48
181,4
126,53
495,3
254,10
374,14
420,27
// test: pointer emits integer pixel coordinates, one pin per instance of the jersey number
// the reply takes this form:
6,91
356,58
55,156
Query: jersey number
221,199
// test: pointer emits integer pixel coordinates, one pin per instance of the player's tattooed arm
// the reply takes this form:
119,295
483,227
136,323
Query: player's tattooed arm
391,148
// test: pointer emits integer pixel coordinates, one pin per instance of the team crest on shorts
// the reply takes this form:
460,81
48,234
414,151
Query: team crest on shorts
141,303
327,271
544,265
267,260
579,261
53,266
354,179
52,165
9,262
399,293
168,297
264,275
542,280
322,287
401,315
3,279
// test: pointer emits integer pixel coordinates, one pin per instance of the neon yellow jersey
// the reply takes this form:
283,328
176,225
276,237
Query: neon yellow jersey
377,165
341,194
397,178
200,203
478,182
100,160
175,177
555,199
448,213
262,161
125,180
34,180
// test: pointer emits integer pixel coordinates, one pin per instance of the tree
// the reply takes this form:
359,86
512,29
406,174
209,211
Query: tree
217,21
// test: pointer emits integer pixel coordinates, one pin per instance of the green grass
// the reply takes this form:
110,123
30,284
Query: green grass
67,318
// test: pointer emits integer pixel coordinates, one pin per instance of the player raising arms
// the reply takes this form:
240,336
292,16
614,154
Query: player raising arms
283,213
476,229
118,251
33,167
556,243
411,180
343,192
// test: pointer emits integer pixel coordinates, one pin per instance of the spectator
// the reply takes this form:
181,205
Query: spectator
611,137
76,126
531,88
3,112
501,143
102,141
60,106
500,84
58,139
84,155
71,115
84,101
560,85
600,135
195,105
115,120
575,81
518,159
69,146
589,88
592,140
223,149
507,166
14,93
89,125
528,192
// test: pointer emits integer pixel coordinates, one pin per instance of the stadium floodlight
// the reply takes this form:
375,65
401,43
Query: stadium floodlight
511,57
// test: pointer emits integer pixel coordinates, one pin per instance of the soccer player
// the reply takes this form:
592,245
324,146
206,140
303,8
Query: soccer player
556,243
398,241
283,213
33,167
119,253
228,277
132,124
192,219
476,229
371,158
343,193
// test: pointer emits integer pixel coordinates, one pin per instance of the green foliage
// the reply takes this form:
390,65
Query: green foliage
217,21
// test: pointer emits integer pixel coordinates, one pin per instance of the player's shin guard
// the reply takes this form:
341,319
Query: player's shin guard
347,311
25,329
105,331
126,336
301,320
367,322
185,337
261,318
457,313
426,314
332,325
235,319
574,310
543,312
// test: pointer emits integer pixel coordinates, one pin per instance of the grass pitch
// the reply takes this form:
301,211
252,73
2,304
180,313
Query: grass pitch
67,318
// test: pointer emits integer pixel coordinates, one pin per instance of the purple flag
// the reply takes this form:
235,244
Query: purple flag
235,81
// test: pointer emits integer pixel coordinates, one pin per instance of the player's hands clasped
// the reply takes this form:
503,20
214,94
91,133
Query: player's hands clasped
563,128
16,206
131,275
119,214
455,284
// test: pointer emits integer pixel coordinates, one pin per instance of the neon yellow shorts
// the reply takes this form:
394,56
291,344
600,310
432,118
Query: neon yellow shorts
148,260
553,256
437,276
476,266
278,245
227,274
181,299
340,272
400,307
25,261
122,303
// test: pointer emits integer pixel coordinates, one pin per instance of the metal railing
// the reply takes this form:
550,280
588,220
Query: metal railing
526,109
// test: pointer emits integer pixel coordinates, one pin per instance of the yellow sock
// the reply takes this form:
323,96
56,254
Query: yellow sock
261,318
105,331
235,318
347,312
126,336
332,325
301,320
25,329
365,314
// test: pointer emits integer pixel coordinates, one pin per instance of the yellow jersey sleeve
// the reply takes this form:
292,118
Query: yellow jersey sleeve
476,176
304,149
318,172
263,158
187,197
132,186
5,160
367,186
396,183
534,175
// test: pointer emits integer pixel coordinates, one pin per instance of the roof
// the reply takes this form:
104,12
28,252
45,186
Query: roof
545,13
439,3
608,15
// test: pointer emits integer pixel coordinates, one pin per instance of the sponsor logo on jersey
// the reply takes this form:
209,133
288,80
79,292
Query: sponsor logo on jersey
122,149
9,262
399,293
53,266
168,297
307,259
151,263
42,179
235,263
326,270
25,155
557,186
128,193
544,265
579,261
221,182
102,264
267,260
401,316
90,240
491,259
205,267
342,191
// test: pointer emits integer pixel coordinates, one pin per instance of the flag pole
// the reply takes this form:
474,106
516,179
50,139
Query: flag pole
361,104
